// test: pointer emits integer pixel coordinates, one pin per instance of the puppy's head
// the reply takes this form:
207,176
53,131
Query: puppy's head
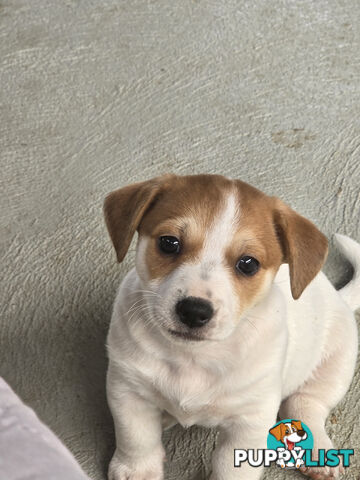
209,248
289,433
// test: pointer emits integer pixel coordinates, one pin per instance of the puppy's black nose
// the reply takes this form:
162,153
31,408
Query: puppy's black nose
194,312
301,433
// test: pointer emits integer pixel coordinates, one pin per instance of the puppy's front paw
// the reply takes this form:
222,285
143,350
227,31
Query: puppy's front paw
150,468
322,473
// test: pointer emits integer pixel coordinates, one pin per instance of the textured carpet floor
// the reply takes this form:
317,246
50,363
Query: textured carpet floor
96,94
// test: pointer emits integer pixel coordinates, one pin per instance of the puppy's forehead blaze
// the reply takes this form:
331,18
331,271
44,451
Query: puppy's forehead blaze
190,209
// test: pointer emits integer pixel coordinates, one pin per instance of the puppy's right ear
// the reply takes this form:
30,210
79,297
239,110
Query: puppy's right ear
297,424
124,209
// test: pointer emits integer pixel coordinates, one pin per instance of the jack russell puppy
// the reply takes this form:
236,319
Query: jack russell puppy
226,321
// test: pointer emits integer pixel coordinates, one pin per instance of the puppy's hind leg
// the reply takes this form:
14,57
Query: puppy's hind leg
312,402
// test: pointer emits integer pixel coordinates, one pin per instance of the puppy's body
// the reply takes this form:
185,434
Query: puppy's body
261,351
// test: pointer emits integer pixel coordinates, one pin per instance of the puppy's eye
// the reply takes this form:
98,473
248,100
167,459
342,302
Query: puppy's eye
169,244
287,431
247,265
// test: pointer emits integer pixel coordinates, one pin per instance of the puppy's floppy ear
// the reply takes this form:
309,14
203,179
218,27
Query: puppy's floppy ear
304,246
297,424
277,432
125,208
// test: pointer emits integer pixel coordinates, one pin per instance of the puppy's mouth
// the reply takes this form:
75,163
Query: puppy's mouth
290,445
186,335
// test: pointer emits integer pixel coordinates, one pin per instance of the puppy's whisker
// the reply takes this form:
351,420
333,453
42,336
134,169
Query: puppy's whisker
134,305
144,292
140,310
146,321
137,311
143,299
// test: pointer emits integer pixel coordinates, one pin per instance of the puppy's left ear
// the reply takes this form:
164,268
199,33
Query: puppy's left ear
304,247
125,208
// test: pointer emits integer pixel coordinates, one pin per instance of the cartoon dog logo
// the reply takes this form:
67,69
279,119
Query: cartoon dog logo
289,434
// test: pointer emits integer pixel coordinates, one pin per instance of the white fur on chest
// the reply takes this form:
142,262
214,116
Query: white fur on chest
213,382
197,395
206,384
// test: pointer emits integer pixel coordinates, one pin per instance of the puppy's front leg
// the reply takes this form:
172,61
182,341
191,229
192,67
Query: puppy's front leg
247,434
139,453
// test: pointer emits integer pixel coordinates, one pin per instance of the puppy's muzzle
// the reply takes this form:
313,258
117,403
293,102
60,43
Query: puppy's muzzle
194,312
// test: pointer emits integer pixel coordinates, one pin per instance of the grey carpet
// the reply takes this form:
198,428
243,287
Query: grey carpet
96,94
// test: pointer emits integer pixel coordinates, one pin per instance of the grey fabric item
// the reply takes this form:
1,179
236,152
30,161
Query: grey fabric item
98,94
28,449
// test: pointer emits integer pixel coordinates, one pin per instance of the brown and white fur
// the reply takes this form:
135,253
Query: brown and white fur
281,341
289,433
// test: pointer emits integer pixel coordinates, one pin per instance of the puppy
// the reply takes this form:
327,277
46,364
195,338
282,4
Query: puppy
225,322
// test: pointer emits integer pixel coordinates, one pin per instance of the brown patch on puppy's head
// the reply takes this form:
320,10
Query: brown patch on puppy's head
273,233
188,207
182,206
255,236
186,210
